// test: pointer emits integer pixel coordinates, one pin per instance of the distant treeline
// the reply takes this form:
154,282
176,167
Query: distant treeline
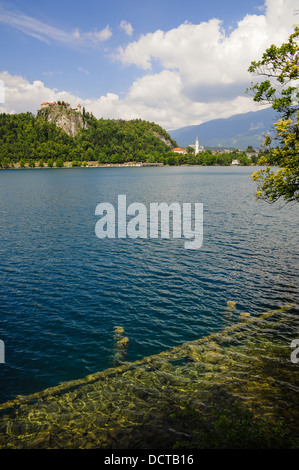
27,139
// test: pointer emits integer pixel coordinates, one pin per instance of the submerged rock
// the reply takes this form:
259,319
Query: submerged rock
212,357
121,346
244,316
159,401
123,343
118,332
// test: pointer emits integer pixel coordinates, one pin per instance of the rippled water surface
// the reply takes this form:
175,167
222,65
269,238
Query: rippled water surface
63,290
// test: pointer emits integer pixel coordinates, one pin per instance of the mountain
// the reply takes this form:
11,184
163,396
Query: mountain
237,131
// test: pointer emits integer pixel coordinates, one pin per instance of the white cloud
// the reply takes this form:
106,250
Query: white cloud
48,33
204,69
2,92
160,98
153,90
83,70
156,97
99,36
204,54
127,27
23,96
51,73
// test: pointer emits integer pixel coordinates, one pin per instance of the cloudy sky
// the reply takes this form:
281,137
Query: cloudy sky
174,62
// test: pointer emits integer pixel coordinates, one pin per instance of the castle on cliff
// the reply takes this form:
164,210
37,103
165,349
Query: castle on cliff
46,104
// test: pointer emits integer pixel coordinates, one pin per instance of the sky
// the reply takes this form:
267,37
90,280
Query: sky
173,62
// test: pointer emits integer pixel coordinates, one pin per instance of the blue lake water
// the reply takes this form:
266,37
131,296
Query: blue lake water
62,289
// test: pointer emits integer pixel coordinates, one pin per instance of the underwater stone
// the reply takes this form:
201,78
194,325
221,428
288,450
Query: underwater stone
231,304
213,346
123,343
198,384
213,357
119,330
41,441
118,333
244,316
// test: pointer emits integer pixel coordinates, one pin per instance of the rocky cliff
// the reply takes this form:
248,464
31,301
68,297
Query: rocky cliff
68,120
165,139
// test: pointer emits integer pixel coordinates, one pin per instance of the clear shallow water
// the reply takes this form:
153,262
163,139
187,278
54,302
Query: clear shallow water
63,290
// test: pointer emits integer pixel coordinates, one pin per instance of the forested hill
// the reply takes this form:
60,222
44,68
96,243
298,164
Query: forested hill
24,137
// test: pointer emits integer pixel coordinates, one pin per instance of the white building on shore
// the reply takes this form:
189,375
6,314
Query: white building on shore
197,148
179,150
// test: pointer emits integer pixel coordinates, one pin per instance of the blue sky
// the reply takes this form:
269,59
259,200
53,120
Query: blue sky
170,61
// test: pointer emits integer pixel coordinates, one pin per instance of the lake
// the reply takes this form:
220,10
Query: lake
63,290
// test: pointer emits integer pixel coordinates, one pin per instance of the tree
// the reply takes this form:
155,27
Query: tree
5,162
59,162
285,182
280,67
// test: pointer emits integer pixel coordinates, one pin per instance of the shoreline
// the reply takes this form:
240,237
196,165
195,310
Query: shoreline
89,165
68,165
